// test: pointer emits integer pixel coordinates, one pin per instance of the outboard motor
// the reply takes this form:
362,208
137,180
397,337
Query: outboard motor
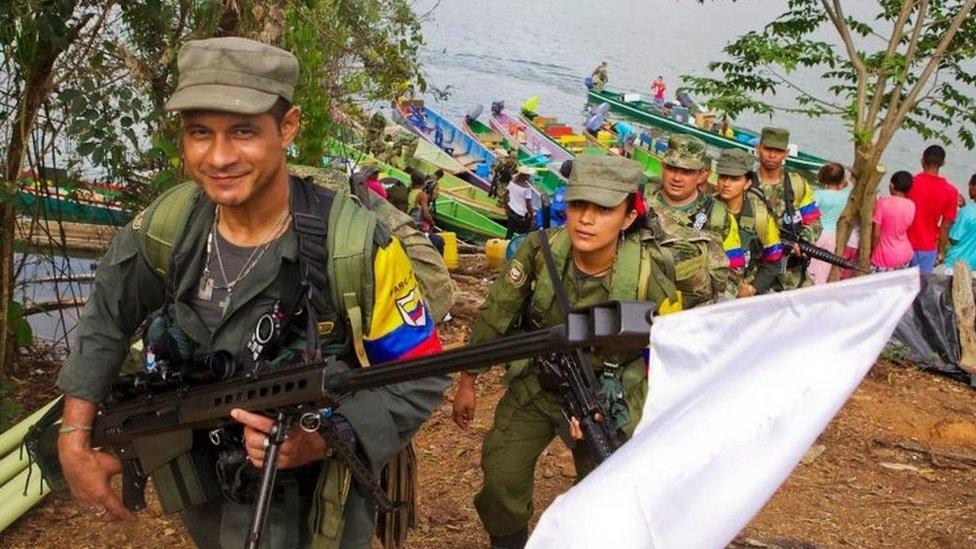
474,112
497,107
686,100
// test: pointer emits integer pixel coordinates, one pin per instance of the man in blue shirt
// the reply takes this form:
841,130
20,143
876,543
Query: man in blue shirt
962,237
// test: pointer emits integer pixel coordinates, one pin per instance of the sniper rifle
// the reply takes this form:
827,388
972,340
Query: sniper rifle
156,424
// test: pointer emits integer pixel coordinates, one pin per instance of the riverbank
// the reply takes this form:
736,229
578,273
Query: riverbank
896,467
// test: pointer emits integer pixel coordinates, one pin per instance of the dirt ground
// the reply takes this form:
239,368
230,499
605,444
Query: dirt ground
895,468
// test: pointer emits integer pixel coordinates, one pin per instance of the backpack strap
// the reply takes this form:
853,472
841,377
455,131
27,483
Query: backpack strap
625,279
559,247
351,228
161,224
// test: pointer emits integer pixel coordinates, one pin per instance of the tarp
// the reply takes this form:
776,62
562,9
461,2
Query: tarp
737,393
928,335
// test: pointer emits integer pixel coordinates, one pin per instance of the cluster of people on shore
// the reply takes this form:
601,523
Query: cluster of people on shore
921,223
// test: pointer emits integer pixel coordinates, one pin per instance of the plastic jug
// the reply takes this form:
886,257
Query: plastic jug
450,250
495,253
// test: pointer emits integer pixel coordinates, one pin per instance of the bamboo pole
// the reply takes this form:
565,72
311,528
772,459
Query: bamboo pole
14,503
12,465
14,436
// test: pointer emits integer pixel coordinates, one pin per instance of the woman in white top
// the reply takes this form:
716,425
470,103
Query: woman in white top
519,207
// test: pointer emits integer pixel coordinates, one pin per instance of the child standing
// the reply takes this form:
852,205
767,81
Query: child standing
890,247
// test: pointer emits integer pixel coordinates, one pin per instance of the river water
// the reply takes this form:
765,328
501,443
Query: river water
511,50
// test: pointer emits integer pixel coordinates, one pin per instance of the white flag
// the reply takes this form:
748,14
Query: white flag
738,393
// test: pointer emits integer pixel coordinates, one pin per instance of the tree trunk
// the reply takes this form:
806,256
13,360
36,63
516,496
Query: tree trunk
860,206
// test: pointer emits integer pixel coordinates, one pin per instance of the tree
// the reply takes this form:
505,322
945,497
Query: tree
908,67
88,79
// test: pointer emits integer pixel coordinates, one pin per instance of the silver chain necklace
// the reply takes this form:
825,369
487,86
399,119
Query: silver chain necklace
207,283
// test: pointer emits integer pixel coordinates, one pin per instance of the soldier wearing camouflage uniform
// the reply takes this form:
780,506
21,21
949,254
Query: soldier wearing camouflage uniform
403,145
602,253
752,243
502,172
375,134
771,181
678,200
599,77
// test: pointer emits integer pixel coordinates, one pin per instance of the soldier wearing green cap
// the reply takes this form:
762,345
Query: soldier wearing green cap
792,198
604,252
752,243
680,200
230,240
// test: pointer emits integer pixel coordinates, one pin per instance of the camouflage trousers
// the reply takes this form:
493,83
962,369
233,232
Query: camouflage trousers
526,421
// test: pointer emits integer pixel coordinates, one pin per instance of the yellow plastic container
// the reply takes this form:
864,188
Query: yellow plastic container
495,253
450,250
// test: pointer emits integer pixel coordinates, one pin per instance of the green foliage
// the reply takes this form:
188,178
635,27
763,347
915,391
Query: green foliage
865,79
21,329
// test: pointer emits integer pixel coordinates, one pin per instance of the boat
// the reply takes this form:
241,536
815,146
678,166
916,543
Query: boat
464,212
53,202
528,137
433,128
464,221
739,138
559,133
429,152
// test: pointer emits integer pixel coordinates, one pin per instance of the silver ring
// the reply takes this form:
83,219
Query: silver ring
267,443
101,513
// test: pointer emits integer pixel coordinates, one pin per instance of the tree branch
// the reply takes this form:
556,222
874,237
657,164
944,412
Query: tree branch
934,61
920,25
836,14
896,35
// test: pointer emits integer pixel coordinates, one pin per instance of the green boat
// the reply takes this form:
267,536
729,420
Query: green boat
449,213
58,203
467,223
460,190
648,113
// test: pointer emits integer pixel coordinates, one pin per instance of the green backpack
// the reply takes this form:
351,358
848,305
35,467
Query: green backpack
350,257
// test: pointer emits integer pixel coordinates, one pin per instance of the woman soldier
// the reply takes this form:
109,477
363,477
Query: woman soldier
752,243
603,253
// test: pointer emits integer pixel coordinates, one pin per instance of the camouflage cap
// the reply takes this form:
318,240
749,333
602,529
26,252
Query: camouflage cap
603,180
232,75
735,162
685,151
775,138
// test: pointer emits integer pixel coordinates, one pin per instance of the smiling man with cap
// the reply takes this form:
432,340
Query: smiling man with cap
233,259
792,199
603,252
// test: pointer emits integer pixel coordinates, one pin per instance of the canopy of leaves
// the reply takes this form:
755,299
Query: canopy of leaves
909,64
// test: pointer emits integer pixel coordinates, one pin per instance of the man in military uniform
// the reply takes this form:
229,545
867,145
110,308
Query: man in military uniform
599,77
375,138
235,260
679,200
752,243
800,214
502,172
604,252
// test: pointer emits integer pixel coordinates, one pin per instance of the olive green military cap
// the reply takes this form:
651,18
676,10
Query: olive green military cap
232,75
775,138
735,162
685,151
603,180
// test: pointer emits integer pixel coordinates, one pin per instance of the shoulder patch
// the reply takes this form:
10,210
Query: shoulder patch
516,273
137,220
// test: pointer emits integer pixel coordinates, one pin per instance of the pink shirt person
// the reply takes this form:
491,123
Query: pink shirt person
893,215
658,87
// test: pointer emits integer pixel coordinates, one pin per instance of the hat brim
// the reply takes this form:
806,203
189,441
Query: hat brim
775,144
732,172
684,164
600,196
223,98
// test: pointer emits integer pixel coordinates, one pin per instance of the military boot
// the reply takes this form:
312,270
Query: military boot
511,541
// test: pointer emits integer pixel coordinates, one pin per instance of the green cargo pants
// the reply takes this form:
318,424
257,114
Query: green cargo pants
526,421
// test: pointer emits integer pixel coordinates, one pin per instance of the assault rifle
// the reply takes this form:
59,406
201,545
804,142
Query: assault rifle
156,426
791,238
813,251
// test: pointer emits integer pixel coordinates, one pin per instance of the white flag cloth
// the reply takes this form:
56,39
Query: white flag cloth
738,393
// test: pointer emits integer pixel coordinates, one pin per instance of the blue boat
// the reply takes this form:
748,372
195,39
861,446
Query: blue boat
468,151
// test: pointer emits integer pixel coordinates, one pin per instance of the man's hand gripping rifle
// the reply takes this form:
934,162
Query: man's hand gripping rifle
151,429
